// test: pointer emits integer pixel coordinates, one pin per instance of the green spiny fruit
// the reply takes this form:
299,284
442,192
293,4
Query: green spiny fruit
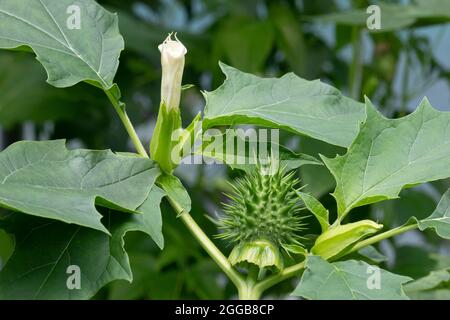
262,216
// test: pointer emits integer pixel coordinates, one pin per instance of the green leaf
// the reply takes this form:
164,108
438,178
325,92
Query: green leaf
38,267
143,264
150,221
430,269
417,261
390,154
438,293
47,180
6,247
69,54
439,220
246,150
318,180
295,249
348,280
304,107
429,282
316,208
395,16
372,254
175,191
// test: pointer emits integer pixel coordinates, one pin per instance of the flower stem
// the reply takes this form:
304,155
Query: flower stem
383,236
208,245
287,273
250,291
127,124
187,219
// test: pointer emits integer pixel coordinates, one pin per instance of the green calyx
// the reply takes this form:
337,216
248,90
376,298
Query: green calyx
337,240
163,138
262,217
262,253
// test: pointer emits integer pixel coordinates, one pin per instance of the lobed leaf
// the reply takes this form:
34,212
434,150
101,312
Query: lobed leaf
316,208
38,268
175,191
439,220
304,107
348,280
431,282
391,154
372,254
69,54
47,180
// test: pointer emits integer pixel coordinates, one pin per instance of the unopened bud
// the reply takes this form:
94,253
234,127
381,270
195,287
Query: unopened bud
172,62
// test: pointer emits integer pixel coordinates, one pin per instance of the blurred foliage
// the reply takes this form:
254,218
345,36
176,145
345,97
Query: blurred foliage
265,37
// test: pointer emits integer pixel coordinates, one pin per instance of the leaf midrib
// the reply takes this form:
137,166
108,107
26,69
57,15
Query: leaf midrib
56,263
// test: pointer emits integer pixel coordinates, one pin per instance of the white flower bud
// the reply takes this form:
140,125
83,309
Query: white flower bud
172,62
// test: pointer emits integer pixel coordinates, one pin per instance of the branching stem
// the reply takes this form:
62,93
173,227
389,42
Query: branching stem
187,219
208,245
248,288
297,268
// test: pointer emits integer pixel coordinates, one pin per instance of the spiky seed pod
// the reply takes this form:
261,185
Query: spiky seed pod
262,216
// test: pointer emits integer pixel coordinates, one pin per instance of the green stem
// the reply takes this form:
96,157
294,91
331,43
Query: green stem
190,223
127,124
382,236
249,288
208,245
249,291
287,273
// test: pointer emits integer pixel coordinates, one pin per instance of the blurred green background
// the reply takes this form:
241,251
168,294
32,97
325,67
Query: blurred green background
322,39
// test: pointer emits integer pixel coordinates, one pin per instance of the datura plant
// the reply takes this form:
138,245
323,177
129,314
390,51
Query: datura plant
70,209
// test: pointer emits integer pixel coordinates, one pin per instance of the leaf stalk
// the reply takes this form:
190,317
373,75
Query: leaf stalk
127,124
